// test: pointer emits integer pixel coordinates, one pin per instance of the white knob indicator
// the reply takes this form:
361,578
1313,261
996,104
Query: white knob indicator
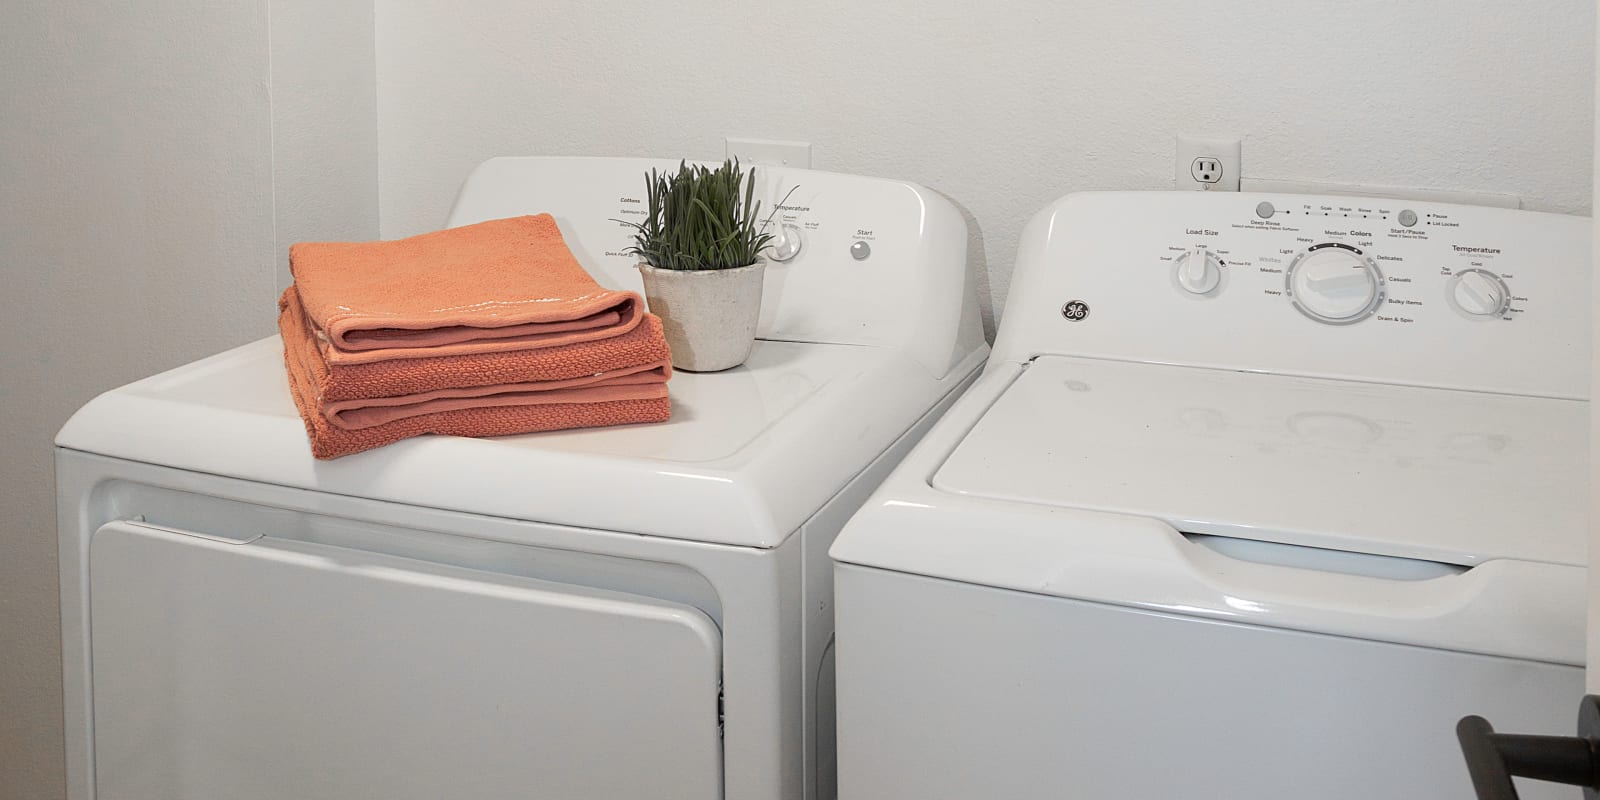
1480,293
785,243
1335,284
1198,271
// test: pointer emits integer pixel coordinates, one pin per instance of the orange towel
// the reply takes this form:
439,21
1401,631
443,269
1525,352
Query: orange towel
537,400
641,350
497,286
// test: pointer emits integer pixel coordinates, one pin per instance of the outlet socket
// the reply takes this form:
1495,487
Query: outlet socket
1206,164
1206,169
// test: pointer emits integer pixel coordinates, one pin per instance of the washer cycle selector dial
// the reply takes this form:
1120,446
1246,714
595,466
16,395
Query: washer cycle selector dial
1334,283
1480,293
1198,271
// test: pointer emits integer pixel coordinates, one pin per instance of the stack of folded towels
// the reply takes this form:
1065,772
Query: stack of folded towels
484,330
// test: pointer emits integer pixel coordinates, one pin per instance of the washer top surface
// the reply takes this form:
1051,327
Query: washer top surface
1430,517
1358,416
748,455
1440,475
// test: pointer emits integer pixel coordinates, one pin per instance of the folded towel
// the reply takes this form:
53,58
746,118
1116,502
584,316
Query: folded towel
641,350
622,394
497,286
634,366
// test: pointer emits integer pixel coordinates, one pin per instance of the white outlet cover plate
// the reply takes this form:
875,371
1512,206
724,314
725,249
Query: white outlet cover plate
772,152
1190,148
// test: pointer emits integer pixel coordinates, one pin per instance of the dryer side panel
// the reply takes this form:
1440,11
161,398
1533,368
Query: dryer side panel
245,667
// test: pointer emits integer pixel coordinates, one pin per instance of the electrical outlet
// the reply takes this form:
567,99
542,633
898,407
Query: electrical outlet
1206,169
1206,164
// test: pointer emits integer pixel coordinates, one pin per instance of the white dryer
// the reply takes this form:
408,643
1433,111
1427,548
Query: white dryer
639,612
1257,496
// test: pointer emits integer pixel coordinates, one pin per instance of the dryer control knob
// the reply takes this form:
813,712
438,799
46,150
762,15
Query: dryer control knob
785,244
1198,271
1480,293
1334,283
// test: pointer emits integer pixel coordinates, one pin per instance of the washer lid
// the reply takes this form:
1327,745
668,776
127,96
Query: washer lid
748,456
1450,476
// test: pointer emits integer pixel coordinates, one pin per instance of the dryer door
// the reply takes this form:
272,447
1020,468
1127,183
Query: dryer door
270,668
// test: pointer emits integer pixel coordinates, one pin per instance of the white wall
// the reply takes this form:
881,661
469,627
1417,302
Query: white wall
139,229
156,160
1002,106
1592,675
324,124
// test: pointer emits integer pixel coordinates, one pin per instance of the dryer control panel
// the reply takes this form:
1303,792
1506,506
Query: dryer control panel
1391,291
854,259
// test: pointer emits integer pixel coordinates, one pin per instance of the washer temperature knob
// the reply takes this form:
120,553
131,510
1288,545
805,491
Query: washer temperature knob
1198,271
1480,293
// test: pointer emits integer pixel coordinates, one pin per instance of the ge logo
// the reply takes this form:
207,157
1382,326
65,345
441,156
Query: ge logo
1075,311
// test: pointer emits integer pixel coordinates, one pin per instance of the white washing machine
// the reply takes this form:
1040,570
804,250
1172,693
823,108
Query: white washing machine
637,612
1257,496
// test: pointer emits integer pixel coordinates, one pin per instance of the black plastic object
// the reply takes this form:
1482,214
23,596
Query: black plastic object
1494,758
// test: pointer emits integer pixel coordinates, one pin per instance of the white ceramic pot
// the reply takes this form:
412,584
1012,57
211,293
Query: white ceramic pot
709,314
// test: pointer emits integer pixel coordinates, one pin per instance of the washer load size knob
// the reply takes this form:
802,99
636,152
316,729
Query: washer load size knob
1197,271
1334,283
1480,293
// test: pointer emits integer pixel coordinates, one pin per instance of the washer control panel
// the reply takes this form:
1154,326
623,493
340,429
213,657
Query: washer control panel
1334,268
1386,290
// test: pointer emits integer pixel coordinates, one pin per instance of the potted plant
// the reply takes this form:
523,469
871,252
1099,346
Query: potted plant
699,250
